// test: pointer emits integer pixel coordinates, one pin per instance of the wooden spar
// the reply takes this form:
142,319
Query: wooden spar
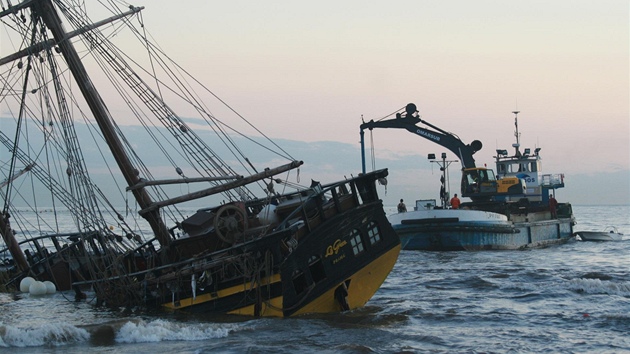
16,175
38,47
218,189
49,15
12,244
16,8
144,183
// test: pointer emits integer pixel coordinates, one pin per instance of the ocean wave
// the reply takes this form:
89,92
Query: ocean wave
161,330
598,286
47,335
136,331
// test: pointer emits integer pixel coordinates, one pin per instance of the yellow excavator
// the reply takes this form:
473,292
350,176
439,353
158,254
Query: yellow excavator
478,183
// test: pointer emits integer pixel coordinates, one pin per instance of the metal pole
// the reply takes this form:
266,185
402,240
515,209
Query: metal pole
362,151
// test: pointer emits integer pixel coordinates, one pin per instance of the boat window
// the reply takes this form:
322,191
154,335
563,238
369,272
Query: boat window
514,167
299,281
355,241
534,166
317,269
373,233
501,168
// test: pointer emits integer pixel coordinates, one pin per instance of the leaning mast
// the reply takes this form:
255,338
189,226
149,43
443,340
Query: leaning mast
516,134
48,14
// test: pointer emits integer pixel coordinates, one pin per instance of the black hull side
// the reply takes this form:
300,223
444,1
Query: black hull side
331,254
322,261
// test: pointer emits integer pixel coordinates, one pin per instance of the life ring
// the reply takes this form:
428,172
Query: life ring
230,222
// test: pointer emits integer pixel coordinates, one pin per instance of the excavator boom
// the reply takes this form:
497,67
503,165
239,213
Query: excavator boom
409,122
477,183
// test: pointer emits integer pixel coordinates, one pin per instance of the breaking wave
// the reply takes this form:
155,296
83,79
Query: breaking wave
598,286
46,335
137,331
160,330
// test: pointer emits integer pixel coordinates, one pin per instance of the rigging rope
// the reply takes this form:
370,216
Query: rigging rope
17,133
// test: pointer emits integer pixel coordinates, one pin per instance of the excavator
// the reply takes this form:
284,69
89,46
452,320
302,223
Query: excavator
478,183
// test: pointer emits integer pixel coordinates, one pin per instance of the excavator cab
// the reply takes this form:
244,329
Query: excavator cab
480,184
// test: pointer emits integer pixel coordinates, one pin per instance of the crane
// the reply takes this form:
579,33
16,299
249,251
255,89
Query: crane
478,183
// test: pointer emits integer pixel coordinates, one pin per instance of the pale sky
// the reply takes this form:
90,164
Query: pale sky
309,71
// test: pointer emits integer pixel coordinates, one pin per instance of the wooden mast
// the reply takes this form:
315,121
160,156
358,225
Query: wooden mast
12,244
46,10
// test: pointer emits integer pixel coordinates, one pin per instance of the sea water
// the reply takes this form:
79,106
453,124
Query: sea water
573,297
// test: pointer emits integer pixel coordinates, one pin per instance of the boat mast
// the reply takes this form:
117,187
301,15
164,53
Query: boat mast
49,15
516,134
12,244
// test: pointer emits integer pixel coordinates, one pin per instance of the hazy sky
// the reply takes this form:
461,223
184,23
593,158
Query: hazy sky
310,70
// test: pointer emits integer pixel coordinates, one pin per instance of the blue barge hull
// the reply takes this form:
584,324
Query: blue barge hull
457,236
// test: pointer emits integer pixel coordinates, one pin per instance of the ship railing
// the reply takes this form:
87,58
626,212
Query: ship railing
357,190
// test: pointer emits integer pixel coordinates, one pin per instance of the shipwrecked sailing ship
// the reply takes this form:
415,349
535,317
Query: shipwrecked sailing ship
267,248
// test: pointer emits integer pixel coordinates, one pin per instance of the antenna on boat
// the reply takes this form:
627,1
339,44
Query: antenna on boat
516,134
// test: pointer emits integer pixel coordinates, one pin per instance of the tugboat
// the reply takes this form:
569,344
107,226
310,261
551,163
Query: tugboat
262,245
509,210
610,233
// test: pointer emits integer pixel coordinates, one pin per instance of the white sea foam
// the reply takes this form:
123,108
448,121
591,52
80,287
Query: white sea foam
50,334
130,332
597,286
161,330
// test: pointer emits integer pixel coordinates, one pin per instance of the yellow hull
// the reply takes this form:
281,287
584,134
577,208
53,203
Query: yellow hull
219,294
362,286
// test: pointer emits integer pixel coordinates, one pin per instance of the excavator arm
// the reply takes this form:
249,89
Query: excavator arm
409,122
479,184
